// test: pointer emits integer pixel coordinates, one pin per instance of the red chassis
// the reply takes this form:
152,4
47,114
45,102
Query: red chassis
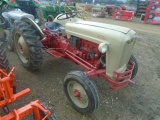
86,54
8,96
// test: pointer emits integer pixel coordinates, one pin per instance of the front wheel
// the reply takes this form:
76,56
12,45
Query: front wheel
50,18
27,45
135,70
82,92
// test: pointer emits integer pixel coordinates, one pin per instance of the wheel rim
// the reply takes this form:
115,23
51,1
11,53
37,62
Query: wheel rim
21,48
78,94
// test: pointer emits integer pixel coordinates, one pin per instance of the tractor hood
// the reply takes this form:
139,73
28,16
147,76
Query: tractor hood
99,32
105,26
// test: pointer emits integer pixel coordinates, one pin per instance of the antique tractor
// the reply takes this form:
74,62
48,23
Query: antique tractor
28,6
103,50
9,18
7,5
8,95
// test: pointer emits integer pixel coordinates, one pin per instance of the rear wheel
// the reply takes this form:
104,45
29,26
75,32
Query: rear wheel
27,45
5,8
4,64
40,16
82,92
151,16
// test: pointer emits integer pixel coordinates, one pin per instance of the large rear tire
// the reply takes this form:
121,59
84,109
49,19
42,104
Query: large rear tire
82,92
6,8
4,64
40,16
27,45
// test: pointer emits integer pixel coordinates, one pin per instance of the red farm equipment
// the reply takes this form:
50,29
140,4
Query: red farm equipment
154,2
152,15
119,12
123,15
8,95
110,8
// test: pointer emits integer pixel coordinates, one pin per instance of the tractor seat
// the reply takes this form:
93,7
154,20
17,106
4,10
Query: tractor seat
54,27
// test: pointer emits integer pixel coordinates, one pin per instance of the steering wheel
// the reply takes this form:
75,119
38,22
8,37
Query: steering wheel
67,15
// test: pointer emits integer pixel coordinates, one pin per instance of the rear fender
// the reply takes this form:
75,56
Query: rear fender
35,26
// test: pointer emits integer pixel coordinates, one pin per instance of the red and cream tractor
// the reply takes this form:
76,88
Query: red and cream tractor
103,50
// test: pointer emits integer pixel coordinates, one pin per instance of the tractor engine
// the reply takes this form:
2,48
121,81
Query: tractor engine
86,50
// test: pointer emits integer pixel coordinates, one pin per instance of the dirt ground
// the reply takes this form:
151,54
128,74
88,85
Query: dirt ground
140,101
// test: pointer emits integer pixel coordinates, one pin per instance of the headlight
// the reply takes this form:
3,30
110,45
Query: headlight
103,47
36,20
134,38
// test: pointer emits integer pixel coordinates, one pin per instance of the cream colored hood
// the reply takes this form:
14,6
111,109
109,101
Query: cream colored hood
99,32
106,26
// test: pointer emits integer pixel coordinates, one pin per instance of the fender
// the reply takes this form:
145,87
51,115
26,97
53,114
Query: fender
36,27
9,3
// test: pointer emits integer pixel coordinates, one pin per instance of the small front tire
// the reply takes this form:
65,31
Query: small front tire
82,92
135,70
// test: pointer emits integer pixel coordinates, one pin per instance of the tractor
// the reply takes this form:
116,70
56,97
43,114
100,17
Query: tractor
53,8
9,23
103,50
110,8
28,6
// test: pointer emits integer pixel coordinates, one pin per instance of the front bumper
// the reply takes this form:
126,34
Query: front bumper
119,81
